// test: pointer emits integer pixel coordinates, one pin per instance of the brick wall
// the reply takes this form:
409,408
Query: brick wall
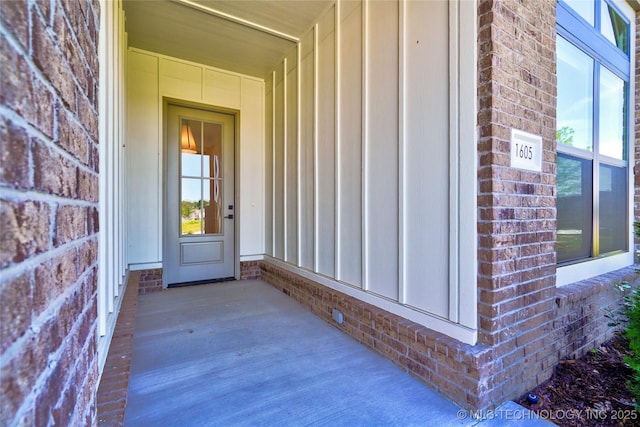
517,215
150,281
250,270
579,324
48,211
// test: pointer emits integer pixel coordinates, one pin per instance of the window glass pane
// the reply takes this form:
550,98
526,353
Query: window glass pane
575,208
613,27
212,150
212,206
575,96
584,8
613,208
191,164
612,115
191,206
190,147
212,188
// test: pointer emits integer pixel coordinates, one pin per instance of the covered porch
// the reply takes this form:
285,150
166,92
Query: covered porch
243,353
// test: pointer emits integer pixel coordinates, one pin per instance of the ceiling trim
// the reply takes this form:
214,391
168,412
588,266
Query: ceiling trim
237,20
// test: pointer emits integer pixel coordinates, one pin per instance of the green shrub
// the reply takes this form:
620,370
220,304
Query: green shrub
627,315
632,313
632,333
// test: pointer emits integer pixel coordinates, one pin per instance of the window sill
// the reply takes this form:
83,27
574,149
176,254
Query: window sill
588,269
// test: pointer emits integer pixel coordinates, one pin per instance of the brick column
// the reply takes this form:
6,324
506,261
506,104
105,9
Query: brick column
517,214
48,212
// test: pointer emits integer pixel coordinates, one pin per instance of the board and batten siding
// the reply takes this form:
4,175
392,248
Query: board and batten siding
152,78
306,152
374,162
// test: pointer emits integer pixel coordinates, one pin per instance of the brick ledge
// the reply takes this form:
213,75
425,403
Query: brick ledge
585,288
114,385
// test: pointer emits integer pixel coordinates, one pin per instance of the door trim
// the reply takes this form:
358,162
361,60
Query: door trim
166,101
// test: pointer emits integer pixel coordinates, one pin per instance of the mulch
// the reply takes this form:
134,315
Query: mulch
591,391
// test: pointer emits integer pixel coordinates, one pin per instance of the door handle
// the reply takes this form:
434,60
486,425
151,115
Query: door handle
230,216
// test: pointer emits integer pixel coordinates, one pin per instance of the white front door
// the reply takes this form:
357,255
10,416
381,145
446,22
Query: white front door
199,196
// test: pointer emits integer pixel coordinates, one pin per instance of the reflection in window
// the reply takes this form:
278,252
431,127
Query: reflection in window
212,154
613,209
614,27
575,100
201,178
593,130
574,208
191,164
612,115
584,8
191,206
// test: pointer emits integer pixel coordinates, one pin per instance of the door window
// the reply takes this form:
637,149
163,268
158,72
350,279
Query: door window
201,178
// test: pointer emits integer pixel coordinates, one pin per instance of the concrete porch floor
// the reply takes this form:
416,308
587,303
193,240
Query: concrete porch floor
242,353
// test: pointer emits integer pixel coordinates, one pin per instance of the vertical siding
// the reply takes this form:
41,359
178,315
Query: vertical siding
381,149
268,170
251,171
291,158
376,204
349,154
278,164
143,128
325,147
426,158
306,153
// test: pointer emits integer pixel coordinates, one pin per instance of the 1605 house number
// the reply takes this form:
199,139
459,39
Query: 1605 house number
526,151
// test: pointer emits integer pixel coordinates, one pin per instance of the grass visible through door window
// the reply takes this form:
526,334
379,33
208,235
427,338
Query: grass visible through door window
191,226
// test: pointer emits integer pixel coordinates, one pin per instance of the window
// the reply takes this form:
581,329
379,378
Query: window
593,130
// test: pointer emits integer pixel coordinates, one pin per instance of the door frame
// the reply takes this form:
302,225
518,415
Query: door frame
166,101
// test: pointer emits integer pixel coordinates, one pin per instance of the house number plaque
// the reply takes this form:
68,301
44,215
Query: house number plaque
526,151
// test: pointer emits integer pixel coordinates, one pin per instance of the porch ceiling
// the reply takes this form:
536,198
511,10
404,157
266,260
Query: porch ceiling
246,36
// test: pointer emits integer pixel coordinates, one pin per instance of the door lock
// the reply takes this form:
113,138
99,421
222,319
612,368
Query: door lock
230,216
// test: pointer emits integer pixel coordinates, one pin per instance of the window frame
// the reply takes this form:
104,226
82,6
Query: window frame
572,27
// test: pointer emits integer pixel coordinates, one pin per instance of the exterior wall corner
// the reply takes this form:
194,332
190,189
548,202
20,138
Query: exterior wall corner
48,209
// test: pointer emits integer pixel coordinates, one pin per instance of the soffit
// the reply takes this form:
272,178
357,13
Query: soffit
245,36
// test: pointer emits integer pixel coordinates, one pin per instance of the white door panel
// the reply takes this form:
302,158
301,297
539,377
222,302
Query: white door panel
199,196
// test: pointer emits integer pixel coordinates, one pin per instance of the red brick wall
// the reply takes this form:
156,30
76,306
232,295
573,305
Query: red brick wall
250,270
48,211
150,281
579,324
517,215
